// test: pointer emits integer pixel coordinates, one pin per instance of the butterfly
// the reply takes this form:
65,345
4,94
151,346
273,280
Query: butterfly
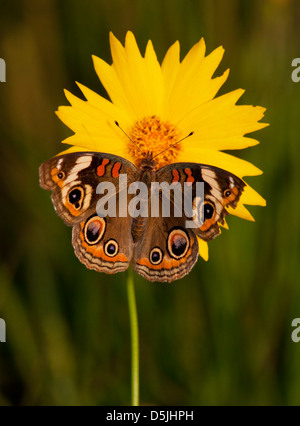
159,248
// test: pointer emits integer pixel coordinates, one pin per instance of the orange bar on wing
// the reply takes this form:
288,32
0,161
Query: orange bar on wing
176,176
115,170
190,178
102,167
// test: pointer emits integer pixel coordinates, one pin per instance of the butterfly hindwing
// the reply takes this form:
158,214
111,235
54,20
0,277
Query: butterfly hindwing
104,244
166,251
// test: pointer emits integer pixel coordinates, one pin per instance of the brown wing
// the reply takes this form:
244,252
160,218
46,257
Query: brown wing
166,251
221,189
73,179
105,243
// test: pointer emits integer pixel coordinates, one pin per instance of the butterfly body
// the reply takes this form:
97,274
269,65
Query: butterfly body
159,248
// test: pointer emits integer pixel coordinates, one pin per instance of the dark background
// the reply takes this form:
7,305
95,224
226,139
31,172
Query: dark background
221,335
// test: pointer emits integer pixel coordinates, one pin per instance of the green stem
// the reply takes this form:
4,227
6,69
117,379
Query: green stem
134,330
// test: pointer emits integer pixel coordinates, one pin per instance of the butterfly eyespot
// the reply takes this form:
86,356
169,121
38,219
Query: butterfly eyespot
178,243
75,196
94,229
156,256
111,248
208,210
60,175
227,193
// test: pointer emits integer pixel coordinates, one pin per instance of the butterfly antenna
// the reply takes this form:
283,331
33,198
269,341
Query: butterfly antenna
118,125
176,143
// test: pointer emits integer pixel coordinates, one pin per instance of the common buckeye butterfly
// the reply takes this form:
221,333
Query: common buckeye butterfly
158,248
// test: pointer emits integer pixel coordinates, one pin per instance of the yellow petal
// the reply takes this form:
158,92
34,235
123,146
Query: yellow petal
194,84
224,225
221,125
101,112
203,248
103,105
74,149
170,68
139,79
241,212
154,81
179,100
112,85
251,197
195,55
132,77
227,162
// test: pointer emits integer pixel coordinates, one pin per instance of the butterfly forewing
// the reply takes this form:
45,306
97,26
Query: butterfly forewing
221,189
101,243
73,179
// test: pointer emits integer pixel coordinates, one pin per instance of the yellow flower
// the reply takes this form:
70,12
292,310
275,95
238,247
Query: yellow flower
157,105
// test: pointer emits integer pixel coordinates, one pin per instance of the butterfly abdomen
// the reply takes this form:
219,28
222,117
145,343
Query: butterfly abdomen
138,226
146,175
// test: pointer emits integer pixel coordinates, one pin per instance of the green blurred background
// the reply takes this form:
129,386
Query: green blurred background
221,335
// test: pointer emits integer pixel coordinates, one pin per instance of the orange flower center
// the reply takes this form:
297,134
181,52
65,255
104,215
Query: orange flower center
155,136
